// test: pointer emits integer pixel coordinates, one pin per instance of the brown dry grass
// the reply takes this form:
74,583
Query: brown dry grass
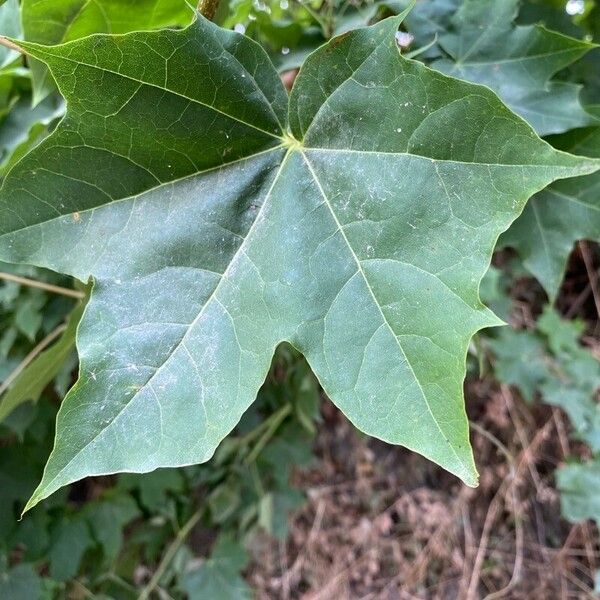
382,523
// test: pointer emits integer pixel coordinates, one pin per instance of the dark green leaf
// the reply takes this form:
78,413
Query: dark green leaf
20,583
517,62
558,216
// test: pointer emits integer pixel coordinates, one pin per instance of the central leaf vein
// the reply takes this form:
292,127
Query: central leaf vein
376,302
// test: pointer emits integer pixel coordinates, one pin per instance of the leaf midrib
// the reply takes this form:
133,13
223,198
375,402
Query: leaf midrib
147,191
461,63
285,144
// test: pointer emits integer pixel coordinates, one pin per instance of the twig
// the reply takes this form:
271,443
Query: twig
588,544
8,44
562,433
274,421
48,287
526,458
316,526
577,303
510,405
591,272
31,356
170,553
468,555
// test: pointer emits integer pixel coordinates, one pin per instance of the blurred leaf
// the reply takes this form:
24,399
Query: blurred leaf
520,360
579,486
292,448
20,301
575,376
552,361
32,536
218,577
517,62
224,500
10,26
32,381
551,14
563,335
25,127
28,316
69,542
154,488
20,419
275,509
428,20
20,583
557,217
494,294
106,518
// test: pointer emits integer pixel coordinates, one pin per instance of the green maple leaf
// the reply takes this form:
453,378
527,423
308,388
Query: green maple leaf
517,62
214,231
559,216
59,21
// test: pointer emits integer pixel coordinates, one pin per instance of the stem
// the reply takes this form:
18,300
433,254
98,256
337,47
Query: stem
316,16
208,8
170,553
48,287
274,422
8,44
31,356
591,273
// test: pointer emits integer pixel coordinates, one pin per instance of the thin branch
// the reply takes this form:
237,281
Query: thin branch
8,44
275,421
48,287
170,553
31,356
591,273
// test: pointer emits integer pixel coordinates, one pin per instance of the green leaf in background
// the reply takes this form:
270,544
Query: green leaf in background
58,21
214,233
517,62
41,371
552,362
552,14
106,519
21,127
575,376
218,577
20,583
579,485
25,127
520,360
10,25
70,541
428,20
557,217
